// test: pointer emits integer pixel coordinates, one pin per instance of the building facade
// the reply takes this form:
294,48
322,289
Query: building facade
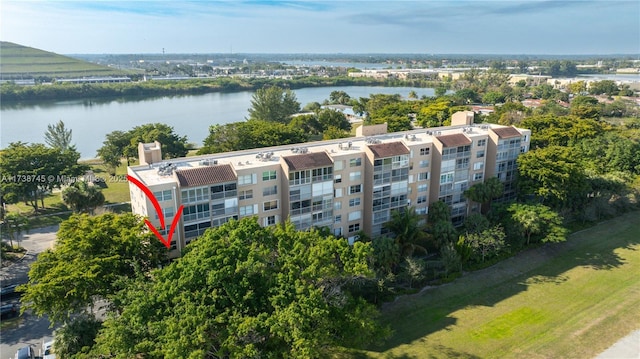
347,185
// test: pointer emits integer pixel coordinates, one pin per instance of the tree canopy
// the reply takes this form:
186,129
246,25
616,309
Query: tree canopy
81,196
243,290
119,144
249,134
91,259
58,136
273,104
554,174
35,169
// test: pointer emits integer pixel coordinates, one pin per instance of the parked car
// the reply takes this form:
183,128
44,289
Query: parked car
47,351
9,311
8,291
25,353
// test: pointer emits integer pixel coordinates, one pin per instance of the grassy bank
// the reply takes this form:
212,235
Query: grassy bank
568,300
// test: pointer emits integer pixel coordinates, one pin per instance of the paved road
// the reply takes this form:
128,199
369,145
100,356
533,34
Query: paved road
627,348
30,329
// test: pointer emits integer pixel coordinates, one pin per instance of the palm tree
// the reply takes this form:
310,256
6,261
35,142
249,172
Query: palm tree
408,230
484,193
82,197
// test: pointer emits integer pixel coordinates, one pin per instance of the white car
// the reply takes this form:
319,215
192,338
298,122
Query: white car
47,351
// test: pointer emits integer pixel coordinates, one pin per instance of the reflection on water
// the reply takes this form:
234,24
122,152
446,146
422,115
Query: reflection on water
190,115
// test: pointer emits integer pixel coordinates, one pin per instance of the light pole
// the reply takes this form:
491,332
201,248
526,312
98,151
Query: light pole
178,228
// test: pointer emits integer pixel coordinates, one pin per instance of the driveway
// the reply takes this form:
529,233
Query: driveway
29,329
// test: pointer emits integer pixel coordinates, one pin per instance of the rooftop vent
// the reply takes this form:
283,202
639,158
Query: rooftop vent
208,162
166,169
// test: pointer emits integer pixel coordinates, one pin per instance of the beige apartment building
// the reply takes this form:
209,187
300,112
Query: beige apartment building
346,185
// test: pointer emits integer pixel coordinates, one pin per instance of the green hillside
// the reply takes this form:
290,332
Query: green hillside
17,61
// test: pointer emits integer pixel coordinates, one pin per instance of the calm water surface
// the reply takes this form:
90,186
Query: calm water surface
190,116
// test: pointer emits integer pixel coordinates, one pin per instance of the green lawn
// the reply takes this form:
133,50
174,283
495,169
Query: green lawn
568,300
55,211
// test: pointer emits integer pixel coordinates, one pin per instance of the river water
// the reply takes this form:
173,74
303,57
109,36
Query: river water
191,116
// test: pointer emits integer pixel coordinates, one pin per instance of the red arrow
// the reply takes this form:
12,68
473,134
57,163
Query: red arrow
156,205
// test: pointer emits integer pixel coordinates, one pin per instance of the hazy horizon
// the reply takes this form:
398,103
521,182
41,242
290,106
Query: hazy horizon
533,28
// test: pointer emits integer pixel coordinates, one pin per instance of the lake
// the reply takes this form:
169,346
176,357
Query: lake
91,120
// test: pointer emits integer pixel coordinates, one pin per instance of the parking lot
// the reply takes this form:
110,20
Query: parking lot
28,329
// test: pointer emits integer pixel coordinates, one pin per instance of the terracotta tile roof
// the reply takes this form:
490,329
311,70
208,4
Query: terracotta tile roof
454,140
308,161
201,176
384,150
506,132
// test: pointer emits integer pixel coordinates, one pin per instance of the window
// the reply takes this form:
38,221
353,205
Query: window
355,189
354,215
477,176
198,211
424,176
195,195
163,195
421,199
268,191
337,231
478,166
424,151
270,205
168,212
424,163
354,162
322,174
355,175
354,202
482,143
270,221
248,194
246,210
246,179
337,205
354,227
480,154
338,218
422,188
446,178
338,165
421,210
337,179
299,177
268,175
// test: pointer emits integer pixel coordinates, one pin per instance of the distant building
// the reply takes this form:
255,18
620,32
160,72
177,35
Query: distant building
93,80
346,185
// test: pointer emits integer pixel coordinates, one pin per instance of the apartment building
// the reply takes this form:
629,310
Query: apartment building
346,185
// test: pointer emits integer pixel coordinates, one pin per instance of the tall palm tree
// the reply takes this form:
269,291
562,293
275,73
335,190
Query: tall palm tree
408,229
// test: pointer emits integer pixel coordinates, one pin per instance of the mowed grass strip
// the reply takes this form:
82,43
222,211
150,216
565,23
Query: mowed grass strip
567,300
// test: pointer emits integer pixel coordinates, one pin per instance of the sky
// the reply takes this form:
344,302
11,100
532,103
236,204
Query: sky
574,27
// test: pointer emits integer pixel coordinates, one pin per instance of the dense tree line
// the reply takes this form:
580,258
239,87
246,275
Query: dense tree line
11,93
274,120
120,145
